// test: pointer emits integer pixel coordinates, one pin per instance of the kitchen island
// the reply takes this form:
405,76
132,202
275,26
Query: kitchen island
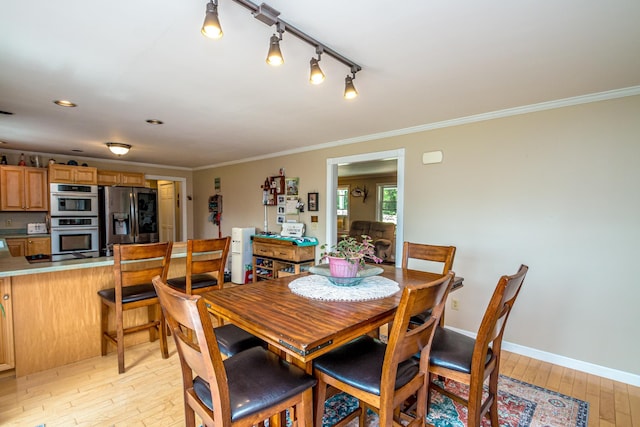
52,309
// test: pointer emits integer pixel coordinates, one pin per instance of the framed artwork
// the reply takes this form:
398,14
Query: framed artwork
281,199
280,209
292,186
312,201
280,219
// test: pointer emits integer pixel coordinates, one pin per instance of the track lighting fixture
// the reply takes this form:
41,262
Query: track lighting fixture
269,16
316,76
274,57
350,91
211,27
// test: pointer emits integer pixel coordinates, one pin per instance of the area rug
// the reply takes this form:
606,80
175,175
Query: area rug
519,405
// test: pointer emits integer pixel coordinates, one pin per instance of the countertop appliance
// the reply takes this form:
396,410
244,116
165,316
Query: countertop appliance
241,254
127,215
37,228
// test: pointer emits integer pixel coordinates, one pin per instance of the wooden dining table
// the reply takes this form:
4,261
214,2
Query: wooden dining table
301,328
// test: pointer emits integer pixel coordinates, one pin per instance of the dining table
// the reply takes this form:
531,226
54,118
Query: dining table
302,328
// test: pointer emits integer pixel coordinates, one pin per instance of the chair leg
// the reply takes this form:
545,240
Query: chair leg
164,348
493,395
152,316
474,405
120,338
104,327
320,397
304,410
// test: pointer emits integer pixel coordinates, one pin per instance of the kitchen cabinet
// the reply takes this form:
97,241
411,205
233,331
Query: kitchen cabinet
7,355
23,189
67,174
274,258
128,179
29,246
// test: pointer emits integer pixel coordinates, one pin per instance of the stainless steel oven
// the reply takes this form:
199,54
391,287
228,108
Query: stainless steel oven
73,200
74,237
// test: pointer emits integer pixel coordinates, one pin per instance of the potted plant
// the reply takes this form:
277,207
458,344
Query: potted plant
349,255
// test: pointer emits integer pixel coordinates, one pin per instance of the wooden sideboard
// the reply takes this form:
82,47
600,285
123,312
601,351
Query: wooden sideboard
274,258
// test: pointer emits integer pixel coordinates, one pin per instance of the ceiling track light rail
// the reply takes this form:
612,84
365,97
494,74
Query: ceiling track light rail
270,16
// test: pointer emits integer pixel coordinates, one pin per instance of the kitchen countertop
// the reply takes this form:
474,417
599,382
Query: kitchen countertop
19,266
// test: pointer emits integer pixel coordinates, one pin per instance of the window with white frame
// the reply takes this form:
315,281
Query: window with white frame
387,201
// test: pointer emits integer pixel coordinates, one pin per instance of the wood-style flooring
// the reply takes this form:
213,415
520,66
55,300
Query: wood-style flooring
91,393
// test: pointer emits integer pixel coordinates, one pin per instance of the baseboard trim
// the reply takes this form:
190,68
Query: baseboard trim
578,365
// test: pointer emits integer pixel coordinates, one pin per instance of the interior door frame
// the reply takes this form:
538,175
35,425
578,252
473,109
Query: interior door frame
332,185
183,192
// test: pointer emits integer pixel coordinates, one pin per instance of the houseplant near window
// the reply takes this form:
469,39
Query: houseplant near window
349,255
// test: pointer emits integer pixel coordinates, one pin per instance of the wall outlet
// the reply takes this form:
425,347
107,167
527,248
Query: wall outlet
455,304
8,223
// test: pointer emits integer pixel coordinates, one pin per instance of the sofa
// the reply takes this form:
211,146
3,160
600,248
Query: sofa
383,235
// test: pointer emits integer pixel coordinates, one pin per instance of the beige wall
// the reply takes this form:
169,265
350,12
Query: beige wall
557,190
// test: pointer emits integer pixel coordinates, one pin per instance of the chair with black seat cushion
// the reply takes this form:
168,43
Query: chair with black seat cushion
134,267
414,253
470,361
206,259
382,376
240,391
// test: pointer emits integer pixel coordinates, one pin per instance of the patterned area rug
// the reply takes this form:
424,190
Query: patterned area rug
519,405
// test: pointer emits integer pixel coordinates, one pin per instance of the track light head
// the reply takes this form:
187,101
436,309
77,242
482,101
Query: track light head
316,76
274,57
211,27
350,91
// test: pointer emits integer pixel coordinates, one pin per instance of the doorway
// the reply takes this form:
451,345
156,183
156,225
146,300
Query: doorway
179,212
332,190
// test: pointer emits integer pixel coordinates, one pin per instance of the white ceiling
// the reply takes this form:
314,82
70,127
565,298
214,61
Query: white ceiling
124,62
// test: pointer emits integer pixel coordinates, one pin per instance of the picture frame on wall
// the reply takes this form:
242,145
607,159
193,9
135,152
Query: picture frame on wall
280,219
312,201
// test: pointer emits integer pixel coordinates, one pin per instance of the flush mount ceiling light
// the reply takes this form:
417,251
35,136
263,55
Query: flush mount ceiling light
154,122
118,148
211,27
270,16
64,103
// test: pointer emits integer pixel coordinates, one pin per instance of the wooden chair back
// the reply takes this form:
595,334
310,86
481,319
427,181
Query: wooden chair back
404,342
433,253
495,318
207,256
198,351
472,362
139,263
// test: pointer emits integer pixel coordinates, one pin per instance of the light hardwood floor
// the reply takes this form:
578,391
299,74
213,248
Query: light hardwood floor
91,393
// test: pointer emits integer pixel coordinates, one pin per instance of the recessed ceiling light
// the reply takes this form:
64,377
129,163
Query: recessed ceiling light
6,113
155,122
76,150
64,103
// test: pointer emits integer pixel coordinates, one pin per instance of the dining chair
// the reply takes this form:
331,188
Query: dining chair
206,260
413,254
383,376
471,361
134,266
240,391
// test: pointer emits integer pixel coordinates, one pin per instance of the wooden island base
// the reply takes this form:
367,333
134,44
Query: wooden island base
56,316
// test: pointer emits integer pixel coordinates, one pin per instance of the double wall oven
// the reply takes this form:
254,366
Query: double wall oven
74,221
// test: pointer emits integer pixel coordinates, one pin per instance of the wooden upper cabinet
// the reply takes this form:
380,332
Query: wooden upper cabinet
67,174
23,189
130,179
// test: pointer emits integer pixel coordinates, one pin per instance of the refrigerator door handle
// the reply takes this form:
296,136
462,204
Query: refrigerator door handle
134,217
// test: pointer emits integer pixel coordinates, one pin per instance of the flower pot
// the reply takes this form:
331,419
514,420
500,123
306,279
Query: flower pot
340,267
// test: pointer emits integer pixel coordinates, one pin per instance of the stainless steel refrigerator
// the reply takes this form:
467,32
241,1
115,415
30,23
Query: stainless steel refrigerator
127,215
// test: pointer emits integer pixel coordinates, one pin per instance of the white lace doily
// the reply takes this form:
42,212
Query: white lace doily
319,287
